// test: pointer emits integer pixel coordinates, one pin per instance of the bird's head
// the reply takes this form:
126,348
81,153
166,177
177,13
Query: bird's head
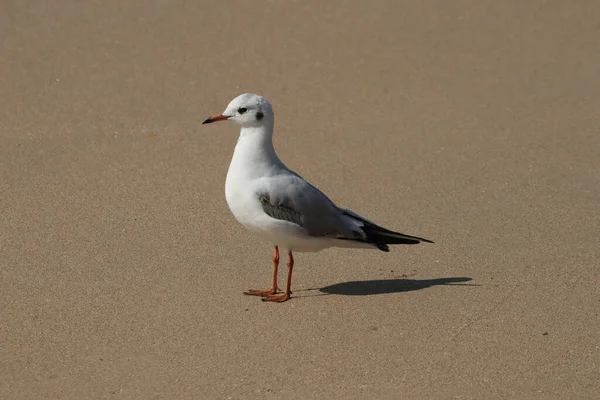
247,110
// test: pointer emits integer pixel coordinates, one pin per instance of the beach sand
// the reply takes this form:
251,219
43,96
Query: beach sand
471,123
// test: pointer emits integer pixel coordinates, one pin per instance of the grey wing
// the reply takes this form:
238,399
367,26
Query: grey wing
280,208
293,199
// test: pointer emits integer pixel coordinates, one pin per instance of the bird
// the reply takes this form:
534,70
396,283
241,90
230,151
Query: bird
277,204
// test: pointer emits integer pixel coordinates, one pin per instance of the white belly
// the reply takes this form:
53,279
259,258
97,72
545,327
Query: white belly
246,208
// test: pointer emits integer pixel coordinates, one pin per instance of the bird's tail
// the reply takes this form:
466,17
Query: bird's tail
381,237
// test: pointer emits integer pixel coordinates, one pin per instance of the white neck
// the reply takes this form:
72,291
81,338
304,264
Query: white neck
254,148
256,143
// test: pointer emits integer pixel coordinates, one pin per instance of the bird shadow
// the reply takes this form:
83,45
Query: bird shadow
383,286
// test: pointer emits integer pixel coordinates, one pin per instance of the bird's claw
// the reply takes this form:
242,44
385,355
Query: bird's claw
266,292
278,298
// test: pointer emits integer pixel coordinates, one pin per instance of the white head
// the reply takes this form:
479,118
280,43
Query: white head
248,110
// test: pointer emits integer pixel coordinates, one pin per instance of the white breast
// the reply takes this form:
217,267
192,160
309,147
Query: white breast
253,159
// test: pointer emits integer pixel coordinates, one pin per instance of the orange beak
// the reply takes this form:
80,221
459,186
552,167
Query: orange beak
215,118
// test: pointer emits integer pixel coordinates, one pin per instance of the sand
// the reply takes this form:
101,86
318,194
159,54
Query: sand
472,123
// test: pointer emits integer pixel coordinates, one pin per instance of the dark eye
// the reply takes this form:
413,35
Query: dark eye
242,110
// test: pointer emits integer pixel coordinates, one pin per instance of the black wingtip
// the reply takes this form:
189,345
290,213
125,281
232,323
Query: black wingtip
383,247
378,236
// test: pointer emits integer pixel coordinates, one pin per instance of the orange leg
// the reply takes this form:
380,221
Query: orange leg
274,288
280,298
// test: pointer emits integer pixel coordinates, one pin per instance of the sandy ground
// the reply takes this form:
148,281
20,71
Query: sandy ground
473,123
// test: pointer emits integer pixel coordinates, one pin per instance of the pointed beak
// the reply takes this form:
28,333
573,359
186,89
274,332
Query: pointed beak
215,118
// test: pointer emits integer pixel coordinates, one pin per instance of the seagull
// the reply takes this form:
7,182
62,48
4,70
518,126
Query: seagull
276,203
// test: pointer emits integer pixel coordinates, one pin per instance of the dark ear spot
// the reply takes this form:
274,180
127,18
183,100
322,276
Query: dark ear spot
259,116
